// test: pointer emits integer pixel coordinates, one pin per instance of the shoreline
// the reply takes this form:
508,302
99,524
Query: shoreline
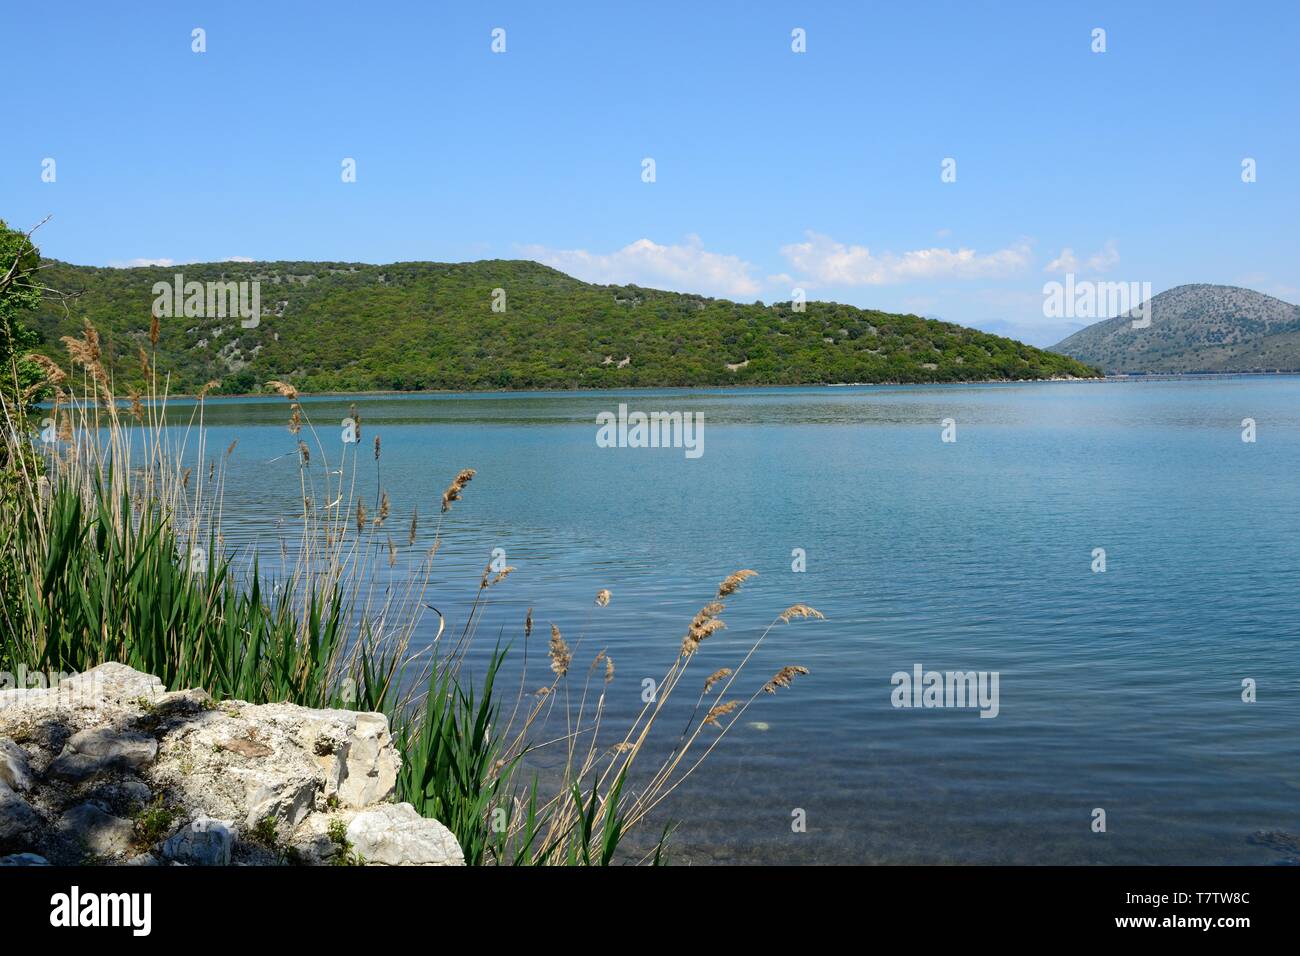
642,388
1119,377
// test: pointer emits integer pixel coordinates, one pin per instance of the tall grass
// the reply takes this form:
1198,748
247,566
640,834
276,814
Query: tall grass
112,540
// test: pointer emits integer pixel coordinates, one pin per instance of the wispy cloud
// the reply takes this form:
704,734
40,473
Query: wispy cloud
828,262
1103,260
686,267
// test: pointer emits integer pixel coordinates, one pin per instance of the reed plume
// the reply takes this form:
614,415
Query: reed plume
705,623
716,676
559,653
54,375
801,610
733,582
720,710
784,677
454,489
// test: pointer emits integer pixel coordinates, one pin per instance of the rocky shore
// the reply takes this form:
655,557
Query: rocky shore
110,768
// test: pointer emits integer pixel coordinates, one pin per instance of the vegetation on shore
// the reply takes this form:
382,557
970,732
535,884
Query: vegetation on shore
111,550
348,327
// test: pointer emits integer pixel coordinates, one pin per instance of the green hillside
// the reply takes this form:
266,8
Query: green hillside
427,325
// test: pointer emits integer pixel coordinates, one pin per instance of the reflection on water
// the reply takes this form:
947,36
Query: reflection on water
1119,690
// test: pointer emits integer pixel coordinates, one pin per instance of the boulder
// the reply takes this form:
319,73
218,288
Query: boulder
15,774
102,833
107,685
108,765
101,750
20,824
393,834
205,842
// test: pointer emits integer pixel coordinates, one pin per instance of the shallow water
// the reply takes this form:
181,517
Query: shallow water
1118,690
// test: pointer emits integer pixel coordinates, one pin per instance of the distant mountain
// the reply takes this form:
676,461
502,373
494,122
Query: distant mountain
1196,328
334,326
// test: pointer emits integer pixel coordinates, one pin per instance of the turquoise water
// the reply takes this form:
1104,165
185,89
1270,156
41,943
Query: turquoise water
1118,690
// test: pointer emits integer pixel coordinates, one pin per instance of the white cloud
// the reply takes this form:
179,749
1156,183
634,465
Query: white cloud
1065,262
136,263
687,267
1103,260
834,263
239,259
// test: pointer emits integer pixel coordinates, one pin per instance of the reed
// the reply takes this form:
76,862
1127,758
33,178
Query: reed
111,543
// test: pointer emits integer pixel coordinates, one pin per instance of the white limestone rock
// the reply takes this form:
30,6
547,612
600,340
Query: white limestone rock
204,842
81,761
394,834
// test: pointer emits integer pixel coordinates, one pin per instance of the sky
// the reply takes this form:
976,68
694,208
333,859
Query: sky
822,170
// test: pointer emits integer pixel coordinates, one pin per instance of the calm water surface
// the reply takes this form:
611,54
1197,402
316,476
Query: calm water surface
1119,690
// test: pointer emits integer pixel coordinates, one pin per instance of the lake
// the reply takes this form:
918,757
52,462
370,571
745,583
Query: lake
1119,689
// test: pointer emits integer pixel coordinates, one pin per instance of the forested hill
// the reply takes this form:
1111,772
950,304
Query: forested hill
330,326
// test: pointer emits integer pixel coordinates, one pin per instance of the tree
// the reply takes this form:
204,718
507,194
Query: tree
19,293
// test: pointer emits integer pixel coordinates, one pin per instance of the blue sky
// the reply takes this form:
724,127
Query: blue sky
773,169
